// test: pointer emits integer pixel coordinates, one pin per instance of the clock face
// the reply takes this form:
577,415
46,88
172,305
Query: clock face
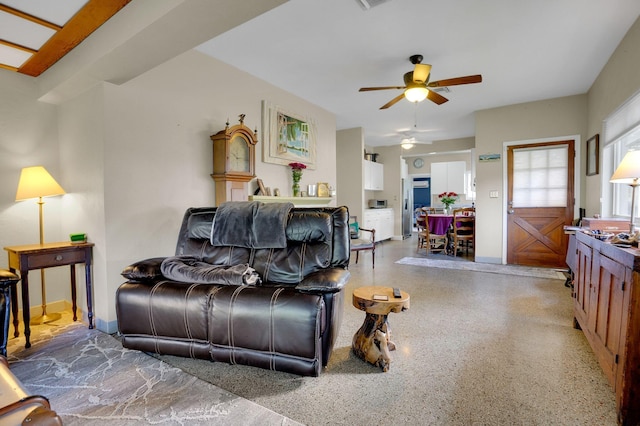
418,163
239,155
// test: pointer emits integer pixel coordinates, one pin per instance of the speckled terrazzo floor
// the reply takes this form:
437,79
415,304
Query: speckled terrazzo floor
475,348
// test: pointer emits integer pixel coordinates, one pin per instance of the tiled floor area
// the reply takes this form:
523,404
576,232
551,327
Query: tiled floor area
474,348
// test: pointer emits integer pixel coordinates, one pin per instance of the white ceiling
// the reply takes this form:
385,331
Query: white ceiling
325,50
27,33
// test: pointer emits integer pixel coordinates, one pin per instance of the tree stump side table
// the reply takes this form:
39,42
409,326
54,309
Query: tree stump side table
372,342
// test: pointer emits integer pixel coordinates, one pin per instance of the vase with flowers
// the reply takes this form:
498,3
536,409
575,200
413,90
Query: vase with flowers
296,174
448,199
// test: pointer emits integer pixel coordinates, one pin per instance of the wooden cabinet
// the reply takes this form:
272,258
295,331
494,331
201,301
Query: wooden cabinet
448,177
607,309
582,282
373,176
381,220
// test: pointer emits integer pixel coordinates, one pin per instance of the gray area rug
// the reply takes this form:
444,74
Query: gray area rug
523,271
90,378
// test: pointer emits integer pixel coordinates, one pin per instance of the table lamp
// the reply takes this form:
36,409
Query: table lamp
36,182
629,172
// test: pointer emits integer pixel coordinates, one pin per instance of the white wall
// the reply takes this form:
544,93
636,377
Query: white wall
29,137
350,171
617,82
550,118
574,115
135,156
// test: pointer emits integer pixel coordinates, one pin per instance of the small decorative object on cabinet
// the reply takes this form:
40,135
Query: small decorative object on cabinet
323,189
607,309
234,160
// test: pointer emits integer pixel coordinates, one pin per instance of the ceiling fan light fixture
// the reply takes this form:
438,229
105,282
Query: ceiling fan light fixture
406,143
416,94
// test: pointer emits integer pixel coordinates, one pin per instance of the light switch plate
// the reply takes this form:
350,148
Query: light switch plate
493,194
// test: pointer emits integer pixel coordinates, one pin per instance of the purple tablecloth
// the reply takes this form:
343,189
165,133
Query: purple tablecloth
439,223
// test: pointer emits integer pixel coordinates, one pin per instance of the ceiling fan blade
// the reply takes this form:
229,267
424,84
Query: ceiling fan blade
436,97
421,73
393,101
368,89
469,79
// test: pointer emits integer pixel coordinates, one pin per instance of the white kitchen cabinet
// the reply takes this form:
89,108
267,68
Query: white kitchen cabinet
381,220
373,176
448,177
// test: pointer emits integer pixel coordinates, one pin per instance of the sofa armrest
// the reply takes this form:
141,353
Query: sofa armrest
327,281
144,270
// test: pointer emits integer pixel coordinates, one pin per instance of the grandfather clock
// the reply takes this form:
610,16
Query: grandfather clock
234,161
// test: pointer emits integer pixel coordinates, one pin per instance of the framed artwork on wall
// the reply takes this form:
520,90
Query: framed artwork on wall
593,155
288,137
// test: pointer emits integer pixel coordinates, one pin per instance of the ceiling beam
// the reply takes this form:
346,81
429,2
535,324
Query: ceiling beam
79,27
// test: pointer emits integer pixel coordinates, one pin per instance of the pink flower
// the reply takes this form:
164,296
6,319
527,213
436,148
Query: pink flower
298,166
448,198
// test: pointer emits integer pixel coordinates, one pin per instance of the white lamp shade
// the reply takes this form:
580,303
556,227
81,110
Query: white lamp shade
37,182
416,94
406,143
629,169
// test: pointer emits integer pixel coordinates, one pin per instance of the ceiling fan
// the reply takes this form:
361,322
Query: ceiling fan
416,88
409,142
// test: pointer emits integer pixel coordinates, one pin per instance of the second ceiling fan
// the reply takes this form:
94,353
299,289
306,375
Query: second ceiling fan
416,88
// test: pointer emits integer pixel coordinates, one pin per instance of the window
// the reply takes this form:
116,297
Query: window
621,134
540,176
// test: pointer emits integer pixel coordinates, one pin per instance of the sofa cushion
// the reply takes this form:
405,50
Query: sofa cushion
191,269
144,270
251,224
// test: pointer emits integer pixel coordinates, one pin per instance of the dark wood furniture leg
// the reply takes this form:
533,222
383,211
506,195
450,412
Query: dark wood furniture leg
87,271
5,312
14,307
26,314
74,305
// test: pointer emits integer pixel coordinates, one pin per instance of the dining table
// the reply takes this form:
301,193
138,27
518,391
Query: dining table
439,224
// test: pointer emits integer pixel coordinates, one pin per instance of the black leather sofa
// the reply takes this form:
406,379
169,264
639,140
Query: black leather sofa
289,322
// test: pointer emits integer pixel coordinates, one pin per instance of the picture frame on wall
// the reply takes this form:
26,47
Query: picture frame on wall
288,137
593,155
323,189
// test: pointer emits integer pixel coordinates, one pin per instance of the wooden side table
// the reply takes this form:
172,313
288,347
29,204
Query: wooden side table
372,342
38,256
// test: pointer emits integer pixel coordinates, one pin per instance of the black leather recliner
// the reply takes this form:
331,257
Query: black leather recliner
287,323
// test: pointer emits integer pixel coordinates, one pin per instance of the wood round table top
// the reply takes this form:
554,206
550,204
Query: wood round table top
372,300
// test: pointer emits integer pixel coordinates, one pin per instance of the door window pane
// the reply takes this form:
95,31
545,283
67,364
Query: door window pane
540,177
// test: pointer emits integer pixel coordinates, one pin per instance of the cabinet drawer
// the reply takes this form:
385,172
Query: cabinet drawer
46,260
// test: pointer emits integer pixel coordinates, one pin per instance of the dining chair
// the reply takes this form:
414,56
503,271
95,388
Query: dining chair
423,232
464,230
358,244
435,242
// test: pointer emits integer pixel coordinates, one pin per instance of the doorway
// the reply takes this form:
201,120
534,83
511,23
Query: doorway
421,192
540,201
421,196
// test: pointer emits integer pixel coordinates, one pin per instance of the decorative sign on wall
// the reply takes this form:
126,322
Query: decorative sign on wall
288,137
484,158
